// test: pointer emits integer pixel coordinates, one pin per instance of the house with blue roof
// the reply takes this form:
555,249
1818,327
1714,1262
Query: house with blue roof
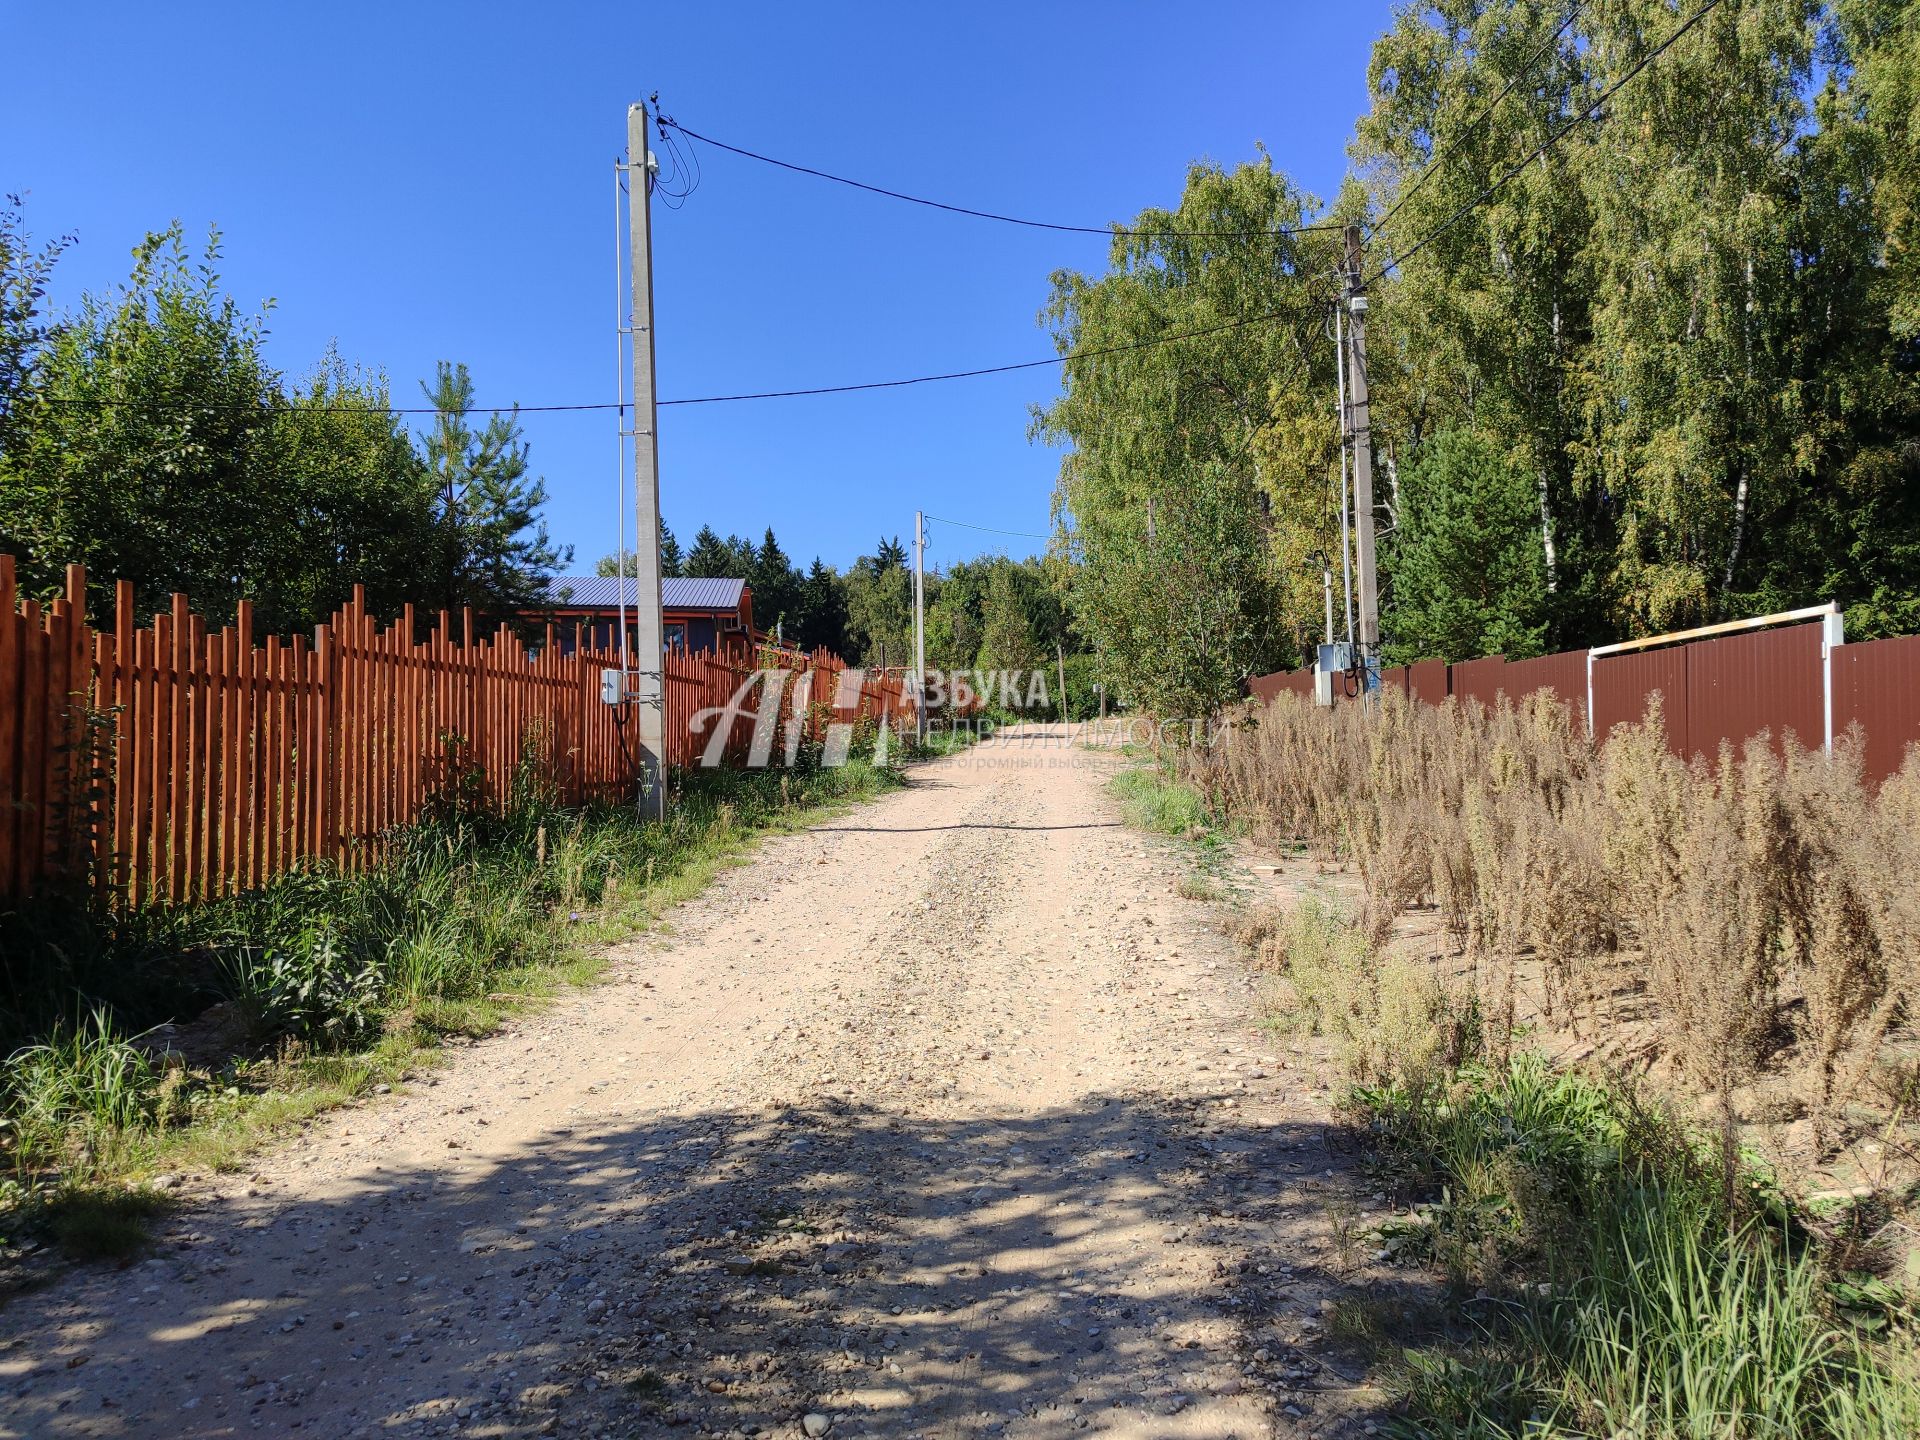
701,613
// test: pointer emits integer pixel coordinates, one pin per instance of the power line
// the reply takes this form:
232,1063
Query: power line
1095,353
966,525
1131,346
1107,230
1554,139
1433,158
296,409
1089,354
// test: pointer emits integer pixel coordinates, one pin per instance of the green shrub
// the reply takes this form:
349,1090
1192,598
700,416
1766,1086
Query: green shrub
1151,798
1393,1018
311,988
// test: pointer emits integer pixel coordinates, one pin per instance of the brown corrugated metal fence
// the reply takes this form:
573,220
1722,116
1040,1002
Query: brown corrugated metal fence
1876,685
1726,689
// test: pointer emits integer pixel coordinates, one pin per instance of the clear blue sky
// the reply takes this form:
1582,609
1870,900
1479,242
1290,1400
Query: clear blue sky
419,182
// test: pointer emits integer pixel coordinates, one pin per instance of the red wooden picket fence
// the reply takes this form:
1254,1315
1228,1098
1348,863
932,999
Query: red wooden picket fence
170,762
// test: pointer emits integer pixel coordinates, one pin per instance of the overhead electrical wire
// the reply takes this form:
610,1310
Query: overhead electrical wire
1110,231
989,529
1088,354
1433,156
1545,145
1226,325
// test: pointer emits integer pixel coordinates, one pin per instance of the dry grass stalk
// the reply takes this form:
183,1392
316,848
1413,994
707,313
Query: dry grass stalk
1774,900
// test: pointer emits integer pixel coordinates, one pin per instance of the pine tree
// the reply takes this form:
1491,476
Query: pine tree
672,562
621,561
709,556
823,610
496,554
776,587
1467,577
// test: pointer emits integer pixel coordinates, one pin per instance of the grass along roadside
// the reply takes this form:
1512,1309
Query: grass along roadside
1606,1267
1611,1268
1154,798
162,1045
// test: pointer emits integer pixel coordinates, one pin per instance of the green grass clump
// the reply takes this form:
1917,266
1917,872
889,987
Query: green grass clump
1151,798
1623,1288
99,1222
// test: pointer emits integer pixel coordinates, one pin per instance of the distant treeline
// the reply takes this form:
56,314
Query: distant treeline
991,613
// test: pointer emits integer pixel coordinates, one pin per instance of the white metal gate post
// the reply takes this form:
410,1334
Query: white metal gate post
1833,634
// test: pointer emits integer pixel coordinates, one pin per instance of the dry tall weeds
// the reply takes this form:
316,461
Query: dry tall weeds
1763,908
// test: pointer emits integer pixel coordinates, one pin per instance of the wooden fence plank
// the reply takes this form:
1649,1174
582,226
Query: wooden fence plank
56,755
118,873
12,701
229,762
29,844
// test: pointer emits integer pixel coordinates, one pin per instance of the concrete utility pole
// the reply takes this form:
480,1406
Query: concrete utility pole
1326,584
649,676
1060,658
1343,421
1362,448
920,625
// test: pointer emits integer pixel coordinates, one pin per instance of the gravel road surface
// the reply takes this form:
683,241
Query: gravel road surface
949,1117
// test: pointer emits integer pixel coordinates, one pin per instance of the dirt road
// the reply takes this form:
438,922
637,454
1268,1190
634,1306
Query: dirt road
947,1118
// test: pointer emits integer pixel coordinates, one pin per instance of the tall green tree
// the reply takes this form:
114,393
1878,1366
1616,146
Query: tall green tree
879,595
776,587
355,503
1469,576
24,272
621,561
823,610
956,615
1683,321
1483,325
494,550
1168,487
147,447
1009,637
713,557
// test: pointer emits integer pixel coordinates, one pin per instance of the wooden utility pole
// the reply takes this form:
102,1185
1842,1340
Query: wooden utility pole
920,625
1356,301
649,675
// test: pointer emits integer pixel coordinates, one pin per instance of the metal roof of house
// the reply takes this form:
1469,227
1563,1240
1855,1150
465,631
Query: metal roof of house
677,592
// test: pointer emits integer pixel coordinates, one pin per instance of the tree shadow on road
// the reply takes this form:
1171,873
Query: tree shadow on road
1159,1269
